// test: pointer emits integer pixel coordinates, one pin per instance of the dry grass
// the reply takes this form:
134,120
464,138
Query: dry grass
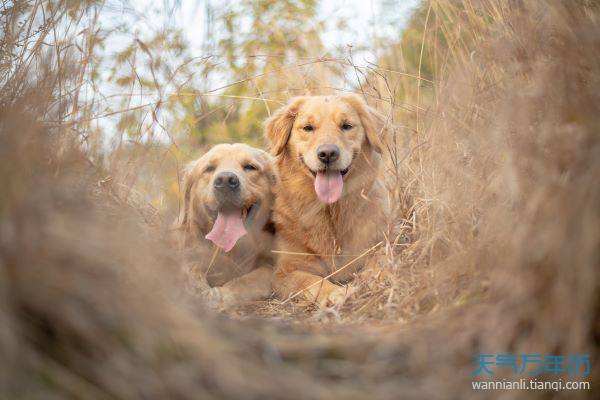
495,175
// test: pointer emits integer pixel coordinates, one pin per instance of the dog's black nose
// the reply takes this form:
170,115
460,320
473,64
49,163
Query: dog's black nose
226,180
328,153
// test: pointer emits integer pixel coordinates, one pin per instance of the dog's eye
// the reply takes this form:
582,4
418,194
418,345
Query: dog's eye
210,168
250,167
346,126
308,128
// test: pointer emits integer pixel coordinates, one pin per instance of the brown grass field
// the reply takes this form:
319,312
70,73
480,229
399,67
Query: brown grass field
493,167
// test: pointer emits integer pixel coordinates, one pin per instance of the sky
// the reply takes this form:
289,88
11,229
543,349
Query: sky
365,18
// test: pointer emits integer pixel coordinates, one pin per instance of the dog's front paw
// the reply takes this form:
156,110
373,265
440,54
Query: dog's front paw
212,297
218,298
332,295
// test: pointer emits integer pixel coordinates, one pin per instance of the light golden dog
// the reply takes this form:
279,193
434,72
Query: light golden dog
330,205
228,197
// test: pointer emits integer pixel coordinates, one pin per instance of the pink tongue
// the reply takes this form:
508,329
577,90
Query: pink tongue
328,186
227,229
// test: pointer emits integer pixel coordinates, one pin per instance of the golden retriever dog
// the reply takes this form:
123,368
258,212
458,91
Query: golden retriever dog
330,204
227,200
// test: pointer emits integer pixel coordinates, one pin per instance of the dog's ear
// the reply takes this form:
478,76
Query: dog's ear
183,221
279,126
267,163
370,119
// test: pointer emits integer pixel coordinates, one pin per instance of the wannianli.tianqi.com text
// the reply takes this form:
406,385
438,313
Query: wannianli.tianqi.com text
530,384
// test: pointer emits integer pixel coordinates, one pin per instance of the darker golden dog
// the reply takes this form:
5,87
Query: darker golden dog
330,205
228,197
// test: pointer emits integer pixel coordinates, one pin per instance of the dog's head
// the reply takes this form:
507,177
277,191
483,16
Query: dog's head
227,191
325,134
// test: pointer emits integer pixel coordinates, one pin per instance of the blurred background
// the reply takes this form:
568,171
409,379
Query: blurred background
162,80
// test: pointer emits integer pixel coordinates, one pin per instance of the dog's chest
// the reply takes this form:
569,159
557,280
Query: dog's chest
223,267
339,239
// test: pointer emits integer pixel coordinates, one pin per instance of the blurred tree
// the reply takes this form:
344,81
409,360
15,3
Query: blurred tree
419,57
256,43
165,98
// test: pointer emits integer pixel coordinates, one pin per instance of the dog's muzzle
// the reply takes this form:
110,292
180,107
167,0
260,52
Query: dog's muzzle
328,153
226,187
226,181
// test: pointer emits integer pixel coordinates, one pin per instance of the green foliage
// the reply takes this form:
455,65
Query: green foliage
259,39
434,39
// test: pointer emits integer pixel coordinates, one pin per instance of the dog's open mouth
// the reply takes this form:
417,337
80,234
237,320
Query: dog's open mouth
343,172
229,226
247,212
329,183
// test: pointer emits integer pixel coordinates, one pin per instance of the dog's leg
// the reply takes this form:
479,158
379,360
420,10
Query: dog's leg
302,284
255,285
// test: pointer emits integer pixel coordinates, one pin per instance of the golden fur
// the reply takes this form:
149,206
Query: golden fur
334,233
244,273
